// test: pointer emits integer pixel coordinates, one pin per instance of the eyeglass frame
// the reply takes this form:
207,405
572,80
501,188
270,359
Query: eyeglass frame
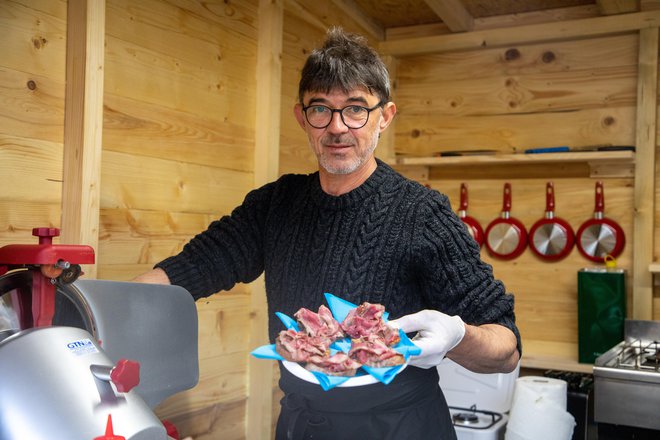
341,114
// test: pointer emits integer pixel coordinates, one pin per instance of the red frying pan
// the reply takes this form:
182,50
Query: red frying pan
506,237
600,236
473,226
551,238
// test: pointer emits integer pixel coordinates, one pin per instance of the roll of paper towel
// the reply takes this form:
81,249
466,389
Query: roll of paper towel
538,411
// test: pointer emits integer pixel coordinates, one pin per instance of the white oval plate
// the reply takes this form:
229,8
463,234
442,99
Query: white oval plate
299,371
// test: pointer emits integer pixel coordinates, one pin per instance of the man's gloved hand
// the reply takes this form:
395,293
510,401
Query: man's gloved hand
437,334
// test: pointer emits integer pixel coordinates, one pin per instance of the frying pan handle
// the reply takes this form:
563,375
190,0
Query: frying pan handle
549,197
464,197
506,199
600,198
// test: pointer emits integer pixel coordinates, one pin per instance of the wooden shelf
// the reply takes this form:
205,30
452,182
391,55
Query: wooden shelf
654,267
547,355
601,163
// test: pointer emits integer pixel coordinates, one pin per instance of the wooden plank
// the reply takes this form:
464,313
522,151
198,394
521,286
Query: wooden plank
295,154
33,35
498,21
300,11
222,319
138,223
453,14
83,122
201,54
565,57
526,34
353,10
547,355
611,7
140,128
266,160
200,90
138,182
423,135
221,380
522,93
645,174
120,272
124,250
649,5
17,218
385,150
217,421
132,241
190,32
514,170
620,157
34,169
31,105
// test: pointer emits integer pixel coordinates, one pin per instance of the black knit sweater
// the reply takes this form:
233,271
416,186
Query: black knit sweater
390,241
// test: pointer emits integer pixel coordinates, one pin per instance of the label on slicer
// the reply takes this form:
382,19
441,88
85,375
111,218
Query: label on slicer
82,347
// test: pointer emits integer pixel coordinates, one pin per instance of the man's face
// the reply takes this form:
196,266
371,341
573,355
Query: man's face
338,148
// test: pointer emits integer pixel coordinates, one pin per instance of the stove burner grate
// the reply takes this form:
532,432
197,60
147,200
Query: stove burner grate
465,418
636,355
470,418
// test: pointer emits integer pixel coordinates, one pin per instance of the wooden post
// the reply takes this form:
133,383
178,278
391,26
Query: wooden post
645,174
386,150
83,124
266,169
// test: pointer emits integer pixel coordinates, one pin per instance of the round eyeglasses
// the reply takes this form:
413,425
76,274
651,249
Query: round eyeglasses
353,116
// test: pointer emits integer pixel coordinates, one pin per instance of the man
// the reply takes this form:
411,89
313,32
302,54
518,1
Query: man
358,230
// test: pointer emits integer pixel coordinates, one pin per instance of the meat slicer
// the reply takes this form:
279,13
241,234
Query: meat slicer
87,359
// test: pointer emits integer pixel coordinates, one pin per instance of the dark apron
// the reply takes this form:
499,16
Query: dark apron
411,407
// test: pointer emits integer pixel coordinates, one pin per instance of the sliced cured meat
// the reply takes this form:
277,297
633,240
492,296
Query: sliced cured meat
374,352
339,364
299,347
367,319
321,324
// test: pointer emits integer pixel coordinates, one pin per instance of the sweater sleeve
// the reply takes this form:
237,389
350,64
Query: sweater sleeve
229,251
453,277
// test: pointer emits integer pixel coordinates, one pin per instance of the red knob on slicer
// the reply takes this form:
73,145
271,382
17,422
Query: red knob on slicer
125,375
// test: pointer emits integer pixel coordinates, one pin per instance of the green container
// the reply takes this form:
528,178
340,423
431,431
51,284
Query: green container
601,311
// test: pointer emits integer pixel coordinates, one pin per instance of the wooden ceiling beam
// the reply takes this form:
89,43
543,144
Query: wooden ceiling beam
554,15
537,33
453,14
298,10
364,20
611,7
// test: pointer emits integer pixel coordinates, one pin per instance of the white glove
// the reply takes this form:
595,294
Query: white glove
437,334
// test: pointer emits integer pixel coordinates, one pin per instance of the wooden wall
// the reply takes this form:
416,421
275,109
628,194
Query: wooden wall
578,93
32,60
575,93
178,152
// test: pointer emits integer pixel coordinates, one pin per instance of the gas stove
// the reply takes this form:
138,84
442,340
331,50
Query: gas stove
627,378
477,402
472,423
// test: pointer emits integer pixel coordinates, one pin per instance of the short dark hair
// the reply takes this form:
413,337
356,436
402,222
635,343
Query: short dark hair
345,62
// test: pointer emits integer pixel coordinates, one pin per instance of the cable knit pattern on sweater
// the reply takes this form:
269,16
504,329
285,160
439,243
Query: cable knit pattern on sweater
390,241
